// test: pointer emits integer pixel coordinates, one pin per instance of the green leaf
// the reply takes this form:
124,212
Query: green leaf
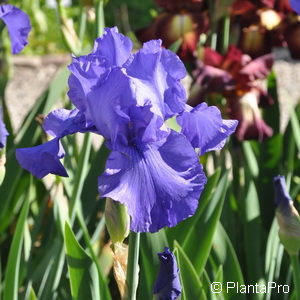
295,128
11,281
252,233
250,158
204,226
84,279
227,258
191,285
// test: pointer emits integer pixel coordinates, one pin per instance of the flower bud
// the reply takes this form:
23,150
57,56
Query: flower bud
117,220
287,217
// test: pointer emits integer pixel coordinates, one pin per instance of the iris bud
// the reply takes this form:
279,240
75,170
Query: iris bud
287,217
117,220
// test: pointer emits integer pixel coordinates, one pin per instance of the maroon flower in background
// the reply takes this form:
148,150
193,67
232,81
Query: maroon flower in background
238,78
180,21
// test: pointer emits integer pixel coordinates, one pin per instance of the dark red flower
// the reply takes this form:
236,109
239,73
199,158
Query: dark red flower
235,76
171,27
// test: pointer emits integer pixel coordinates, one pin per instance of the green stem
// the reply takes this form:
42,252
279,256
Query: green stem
226,34
80,176
103,283
296,273
132,277
99,18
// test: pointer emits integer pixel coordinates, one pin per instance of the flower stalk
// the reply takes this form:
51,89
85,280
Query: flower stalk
296,273
132,276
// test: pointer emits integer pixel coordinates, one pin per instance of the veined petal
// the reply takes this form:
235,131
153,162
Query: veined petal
160,184
43,159
114,46
87,71
156,73
167,284
204,128
18,25
63,122
108,103
3,131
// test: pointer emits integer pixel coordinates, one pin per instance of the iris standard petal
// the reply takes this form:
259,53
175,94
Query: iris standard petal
160,184
3,131
18,25
43,159
108,103
87,71
204,127
113,46
167,285
156,73
63,122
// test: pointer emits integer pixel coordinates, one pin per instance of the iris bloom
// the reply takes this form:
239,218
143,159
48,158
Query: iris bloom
3,132
236,76
167,285
18,26
127,98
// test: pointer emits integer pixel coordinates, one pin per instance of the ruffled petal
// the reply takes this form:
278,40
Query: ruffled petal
114,46
108,103
160,184
204,128
156,73
63,122
167,284
43,159
18,25
3,132
87,71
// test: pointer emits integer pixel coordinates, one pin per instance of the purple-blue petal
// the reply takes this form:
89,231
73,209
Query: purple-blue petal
295,4
167,285
87,71
3,132
113,46
43,159
160,184
282,197
156,74
108,103
18,25
204,127
63,122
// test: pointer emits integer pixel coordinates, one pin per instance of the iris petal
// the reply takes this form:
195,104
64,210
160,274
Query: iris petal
63,122
3,131
204,128
160,185
114,46
18,25
43,159
156,72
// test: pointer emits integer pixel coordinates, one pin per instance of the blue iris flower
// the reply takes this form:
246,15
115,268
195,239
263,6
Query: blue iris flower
167,285
3,132
127,98
18,26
